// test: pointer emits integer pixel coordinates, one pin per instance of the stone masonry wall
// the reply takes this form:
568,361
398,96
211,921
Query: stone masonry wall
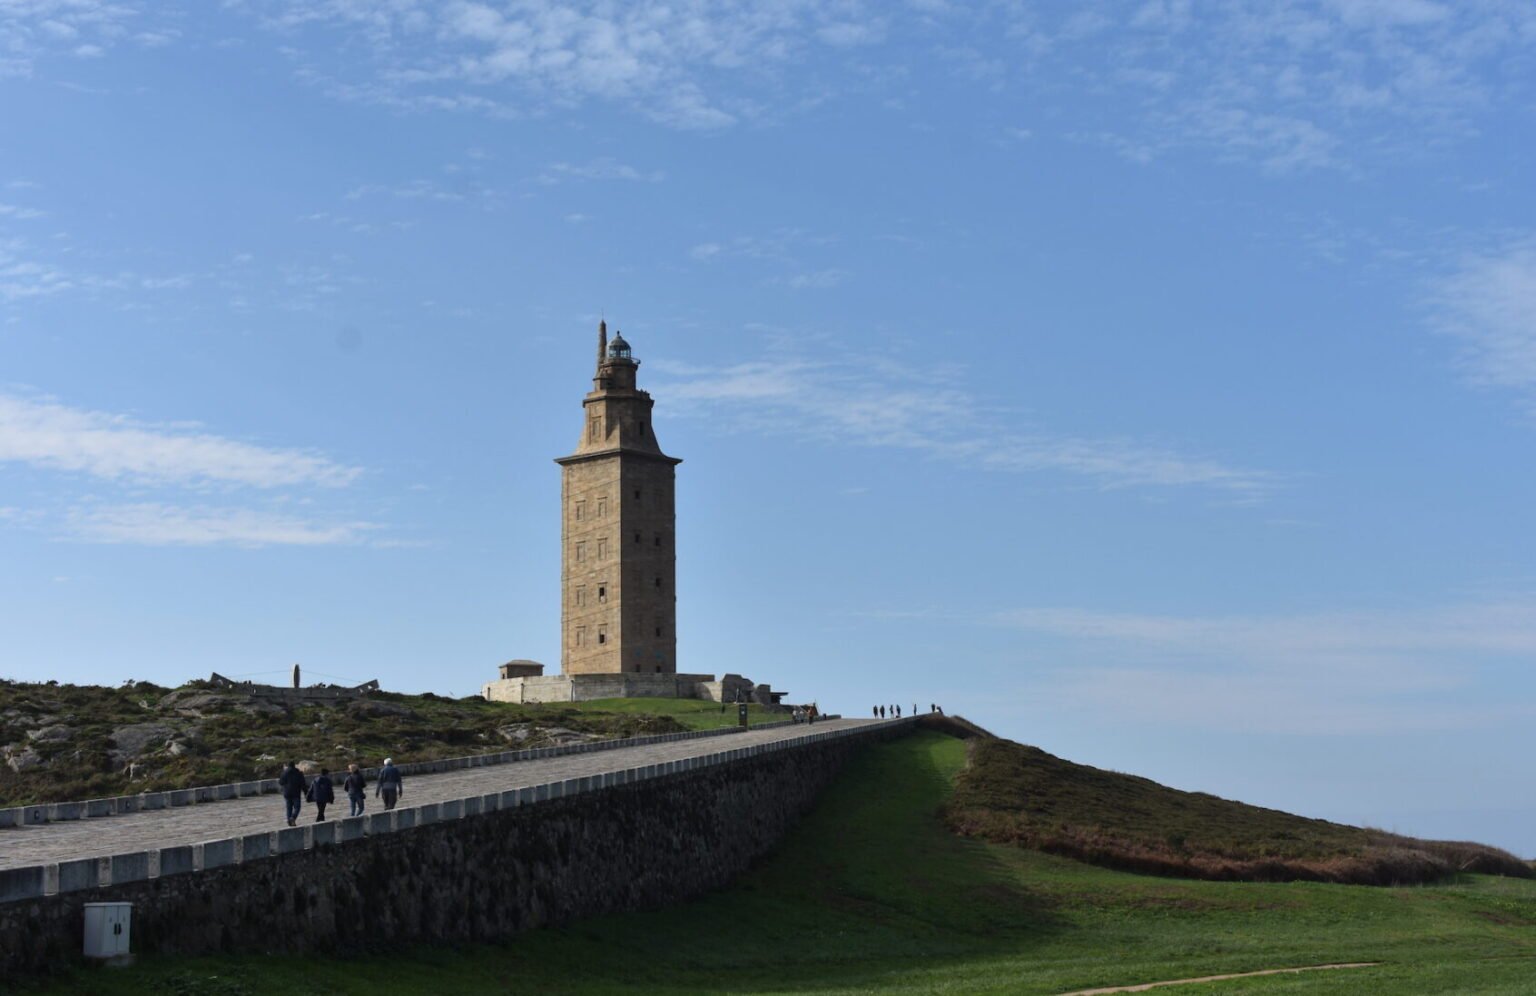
629,847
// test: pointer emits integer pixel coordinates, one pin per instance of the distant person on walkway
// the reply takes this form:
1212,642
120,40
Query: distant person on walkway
356,788
881,711
898,712
321,794
292,782
390,785
876,711
914,708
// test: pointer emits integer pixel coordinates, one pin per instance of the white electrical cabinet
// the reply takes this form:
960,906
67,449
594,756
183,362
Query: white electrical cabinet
106,929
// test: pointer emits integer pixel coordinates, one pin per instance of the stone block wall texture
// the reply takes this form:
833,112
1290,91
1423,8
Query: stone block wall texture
625,848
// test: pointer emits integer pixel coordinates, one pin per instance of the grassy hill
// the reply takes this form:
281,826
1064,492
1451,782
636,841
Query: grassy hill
872,893
70,742
1013,794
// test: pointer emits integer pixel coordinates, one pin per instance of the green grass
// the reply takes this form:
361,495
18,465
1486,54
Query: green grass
1021,795
873,894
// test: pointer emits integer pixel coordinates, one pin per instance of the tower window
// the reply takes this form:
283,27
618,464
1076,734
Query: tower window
581,510
602,637
596,428
581,596
581,551
602,593
602,549
602,508
581,636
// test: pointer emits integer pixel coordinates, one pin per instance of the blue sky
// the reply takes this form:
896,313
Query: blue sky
1153,384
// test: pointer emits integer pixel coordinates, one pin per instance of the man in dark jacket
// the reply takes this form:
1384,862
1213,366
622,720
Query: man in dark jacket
356,787
390,785
293,786
321,794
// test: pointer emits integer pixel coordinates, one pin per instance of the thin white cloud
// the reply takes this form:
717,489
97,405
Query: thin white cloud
598,169
871,401
1489,304
153,524
1292,85
23,276
51,435
1333,673
686,64
31,30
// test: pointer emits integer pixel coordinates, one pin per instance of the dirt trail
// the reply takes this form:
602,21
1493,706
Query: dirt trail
1143,987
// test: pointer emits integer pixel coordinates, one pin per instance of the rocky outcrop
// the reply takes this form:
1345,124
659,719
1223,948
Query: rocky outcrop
130,742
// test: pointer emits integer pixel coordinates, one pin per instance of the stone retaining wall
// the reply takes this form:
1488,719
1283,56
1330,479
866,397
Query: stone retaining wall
469,869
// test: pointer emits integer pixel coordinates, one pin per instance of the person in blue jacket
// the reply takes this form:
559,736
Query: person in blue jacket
321,793
356,787
390,784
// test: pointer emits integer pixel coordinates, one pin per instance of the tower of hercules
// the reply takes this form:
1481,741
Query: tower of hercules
618,609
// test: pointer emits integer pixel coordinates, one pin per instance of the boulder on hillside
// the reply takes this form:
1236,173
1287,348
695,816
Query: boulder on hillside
193,702
57,733
128,742
21,758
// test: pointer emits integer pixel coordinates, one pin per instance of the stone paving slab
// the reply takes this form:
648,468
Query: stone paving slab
46,843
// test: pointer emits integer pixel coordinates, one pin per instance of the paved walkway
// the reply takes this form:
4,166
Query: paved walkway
66,841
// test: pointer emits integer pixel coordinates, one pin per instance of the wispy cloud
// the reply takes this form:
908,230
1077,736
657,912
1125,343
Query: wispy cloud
871,401
1292,85
1489,304
23,275
31,30
598,169
49,434
1334,673
152,524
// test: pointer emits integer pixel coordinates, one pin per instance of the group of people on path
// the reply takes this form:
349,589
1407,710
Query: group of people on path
296,789
880,711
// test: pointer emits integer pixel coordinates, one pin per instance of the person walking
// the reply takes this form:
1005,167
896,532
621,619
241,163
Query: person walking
390,785
356,788
293,785
321,793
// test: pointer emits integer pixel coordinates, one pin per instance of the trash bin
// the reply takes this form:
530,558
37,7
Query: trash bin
741,714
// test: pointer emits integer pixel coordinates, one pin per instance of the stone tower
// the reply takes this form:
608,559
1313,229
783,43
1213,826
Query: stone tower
618,562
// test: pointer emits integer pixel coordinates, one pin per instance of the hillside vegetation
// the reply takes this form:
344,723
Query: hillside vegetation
871,893
1013,794
72,742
